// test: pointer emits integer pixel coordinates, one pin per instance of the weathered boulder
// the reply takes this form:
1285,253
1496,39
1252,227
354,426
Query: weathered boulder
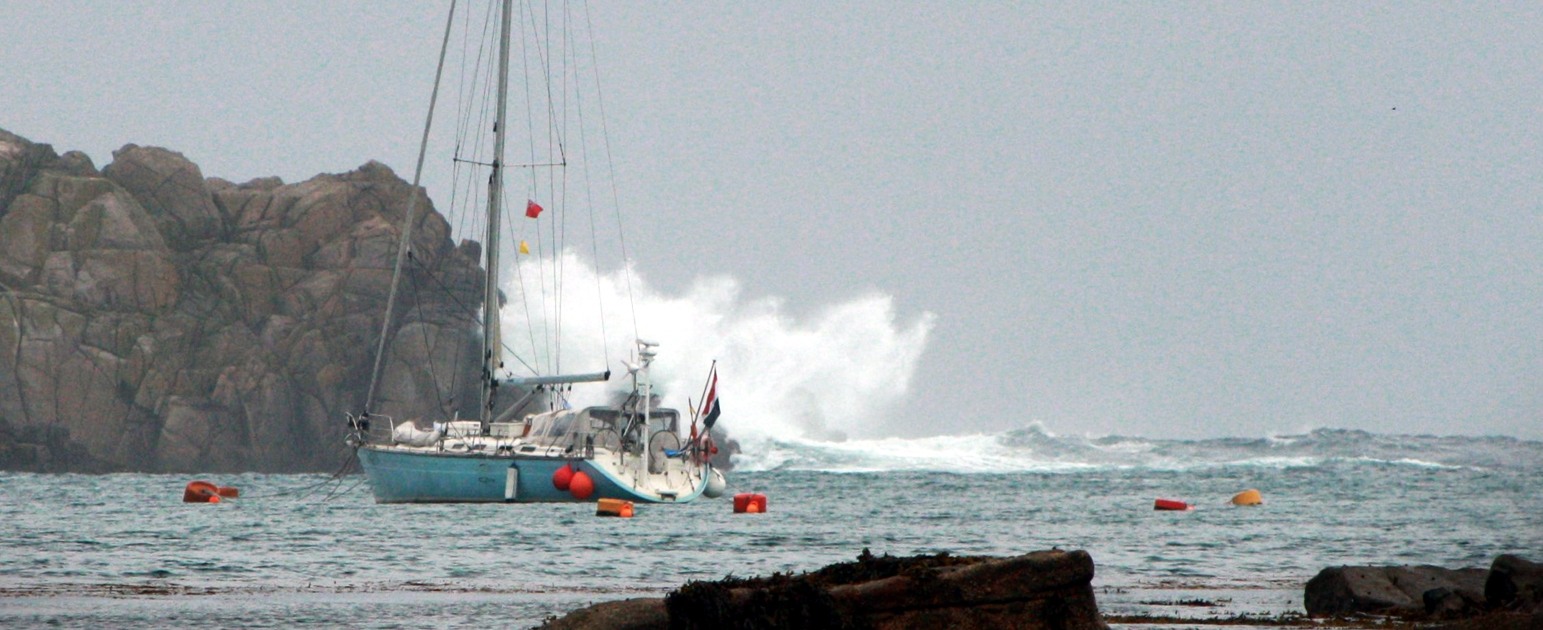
44,449
19,161
172,189
1514,582
1045,589
1444,603
153,320
1400,590
24,240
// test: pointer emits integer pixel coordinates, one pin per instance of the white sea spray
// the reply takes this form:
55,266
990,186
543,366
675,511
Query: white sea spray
834,373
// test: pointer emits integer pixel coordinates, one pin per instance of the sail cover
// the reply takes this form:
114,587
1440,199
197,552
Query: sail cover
408,433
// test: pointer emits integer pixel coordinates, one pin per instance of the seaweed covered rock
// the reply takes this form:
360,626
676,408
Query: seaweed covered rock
1044,589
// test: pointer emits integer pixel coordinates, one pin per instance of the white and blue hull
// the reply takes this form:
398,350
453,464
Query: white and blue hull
398,475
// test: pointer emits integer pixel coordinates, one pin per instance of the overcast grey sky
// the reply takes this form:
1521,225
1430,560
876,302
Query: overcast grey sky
1148,219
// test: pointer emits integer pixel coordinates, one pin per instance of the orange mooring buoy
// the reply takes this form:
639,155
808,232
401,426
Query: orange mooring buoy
614,507
205,492
201,492
749,503
1248,497
1171,505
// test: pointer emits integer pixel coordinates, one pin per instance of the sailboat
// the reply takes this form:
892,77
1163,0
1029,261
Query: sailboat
536,448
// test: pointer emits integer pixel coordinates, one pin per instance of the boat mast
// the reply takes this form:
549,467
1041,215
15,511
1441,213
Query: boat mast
492,344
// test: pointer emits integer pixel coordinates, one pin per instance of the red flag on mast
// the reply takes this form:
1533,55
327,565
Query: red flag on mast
532,209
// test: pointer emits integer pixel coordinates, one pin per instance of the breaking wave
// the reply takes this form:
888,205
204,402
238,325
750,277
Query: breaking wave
1034,449
780,374
805,393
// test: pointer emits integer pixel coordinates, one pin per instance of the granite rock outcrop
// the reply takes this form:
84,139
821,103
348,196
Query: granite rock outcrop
153,319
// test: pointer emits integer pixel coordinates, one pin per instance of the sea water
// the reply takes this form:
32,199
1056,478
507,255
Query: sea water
123,550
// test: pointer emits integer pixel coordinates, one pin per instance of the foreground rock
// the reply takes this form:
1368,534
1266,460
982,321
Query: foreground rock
1045,589
1399,590
152,319
1508,594
1515,583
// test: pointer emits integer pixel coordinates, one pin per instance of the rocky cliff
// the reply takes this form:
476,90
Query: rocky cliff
152,319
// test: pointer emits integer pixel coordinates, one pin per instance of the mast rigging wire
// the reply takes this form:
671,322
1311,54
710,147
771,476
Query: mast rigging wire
407,222
542,56
621,233
589,202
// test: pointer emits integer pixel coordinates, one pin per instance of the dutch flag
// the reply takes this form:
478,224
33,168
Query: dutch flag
710,406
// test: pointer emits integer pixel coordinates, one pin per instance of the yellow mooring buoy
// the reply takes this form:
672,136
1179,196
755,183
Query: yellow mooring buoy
1247,497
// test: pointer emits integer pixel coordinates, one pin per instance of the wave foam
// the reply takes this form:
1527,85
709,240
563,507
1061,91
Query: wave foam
822,377
810,393
1033,449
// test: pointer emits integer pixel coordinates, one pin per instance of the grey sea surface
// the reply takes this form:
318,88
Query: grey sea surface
123,551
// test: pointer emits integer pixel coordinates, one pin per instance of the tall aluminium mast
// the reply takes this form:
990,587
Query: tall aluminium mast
492,343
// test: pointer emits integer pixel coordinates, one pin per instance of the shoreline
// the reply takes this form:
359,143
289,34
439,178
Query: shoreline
1145,605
